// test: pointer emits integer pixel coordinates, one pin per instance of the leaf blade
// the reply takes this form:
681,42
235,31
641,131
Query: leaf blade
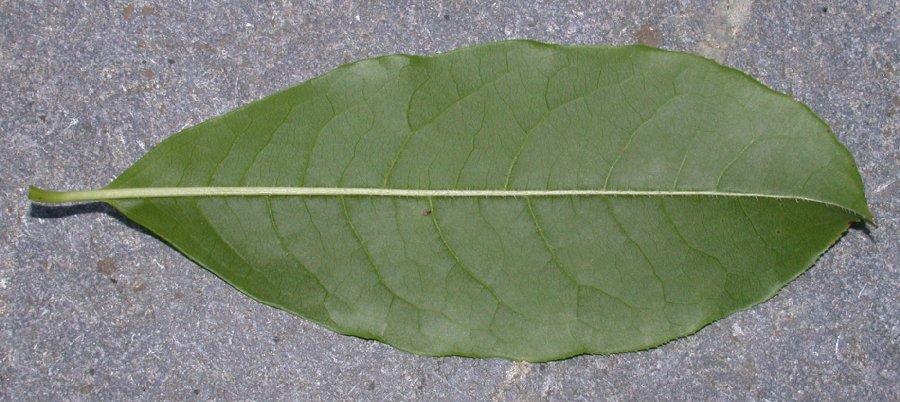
579,199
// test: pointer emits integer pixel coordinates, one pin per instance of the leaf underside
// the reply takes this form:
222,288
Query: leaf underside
527,278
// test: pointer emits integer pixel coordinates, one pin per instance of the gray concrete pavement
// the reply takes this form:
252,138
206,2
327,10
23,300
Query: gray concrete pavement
92,308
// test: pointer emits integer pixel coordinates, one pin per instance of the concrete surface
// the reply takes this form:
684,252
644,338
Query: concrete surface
92,308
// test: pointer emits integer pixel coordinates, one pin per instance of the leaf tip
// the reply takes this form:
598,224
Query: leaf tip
870,220
866,216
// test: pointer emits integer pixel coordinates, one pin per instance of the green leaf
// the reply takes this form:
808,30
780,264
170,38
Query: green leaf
514,199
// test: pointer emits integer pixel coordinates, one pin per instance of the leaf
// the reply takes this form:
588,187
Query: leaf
513,199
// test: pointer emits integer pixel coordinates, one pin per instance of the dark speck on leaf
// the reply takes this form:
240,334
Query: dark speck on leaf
426,212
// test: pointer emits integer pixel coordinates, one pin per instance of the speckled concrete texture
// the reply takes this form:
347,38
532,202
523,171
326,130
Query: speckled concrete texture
92,308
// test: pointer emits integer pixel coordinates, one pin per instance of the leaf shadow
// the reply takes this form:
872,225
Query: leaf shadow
62,211
864,228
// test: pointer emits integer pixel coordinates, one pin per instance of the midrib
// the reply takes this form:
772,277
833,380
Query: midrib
178,192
